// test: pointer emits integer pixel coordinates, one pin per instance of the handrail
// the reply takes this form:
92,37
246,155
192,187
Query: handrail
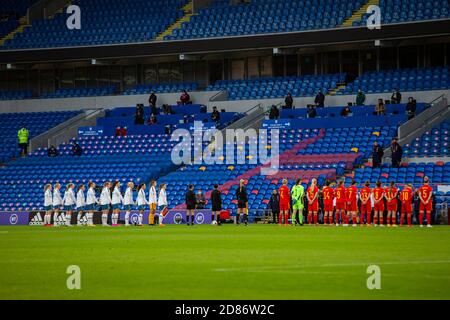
221,92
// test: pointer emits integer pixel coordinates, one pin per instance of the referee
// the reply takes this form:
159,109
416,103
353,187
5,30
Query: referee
190,205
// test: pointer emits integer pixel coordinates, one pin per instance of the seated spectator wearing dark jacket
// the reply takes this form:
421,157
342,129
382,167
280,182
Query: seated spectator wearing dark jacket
215,116
274,205
166,109
360,98
311,112
396,97
411,108
118,132
139,114
320,99
274,113
76,149
289,101
52,151
185,98
346,112
152,120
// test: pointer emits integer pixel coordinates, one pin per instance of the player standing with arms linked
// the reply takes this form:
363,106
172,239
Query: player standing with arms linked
378,206
328,198
298,192
312,195
351,194
391,203
285,203
426,204
340,203
366,204
406,198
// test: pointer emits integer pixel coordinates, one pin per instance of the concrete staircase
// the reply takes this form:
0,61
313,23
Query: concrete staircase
187,9
22,25
357,15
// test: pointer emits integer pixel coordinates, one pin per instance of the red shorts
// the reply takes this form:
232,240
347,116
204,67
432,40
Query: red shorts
407,207
427,207
366,208
284,206
314,206
340,205
392,206
352,206
379,206
328,206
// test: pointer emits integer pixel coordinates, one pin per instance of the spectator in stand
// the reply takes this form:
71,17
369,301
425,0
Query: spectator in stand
76,149
345,111
312,112
200,199
118,132
274,205
185,98
396,97
380,108
360,98
166,109
411,108
320,99
139,115
289,101
377,155
152,120
23,136
124,131
152,102
215,116
52,151
274,113
396,153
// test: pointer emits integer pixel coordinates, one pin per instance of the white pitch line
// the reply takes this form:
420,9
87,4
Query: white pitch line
328,265
3,232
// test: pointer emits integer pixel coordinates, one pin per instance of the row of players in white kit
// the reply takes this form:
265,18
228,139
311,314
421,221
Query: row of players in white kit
86,206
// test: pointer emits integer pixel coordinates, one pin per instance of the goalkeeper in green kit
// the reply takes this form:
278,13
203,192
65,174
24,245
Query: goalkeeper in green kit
297,194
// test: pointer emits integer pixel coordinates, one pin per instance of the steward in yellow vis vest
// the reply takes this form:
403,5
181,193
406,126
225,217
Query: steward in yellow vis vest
22,136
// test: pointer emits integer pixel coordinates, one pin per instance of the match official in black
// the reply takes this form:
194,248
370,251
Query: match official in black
190,205
216,199
242,199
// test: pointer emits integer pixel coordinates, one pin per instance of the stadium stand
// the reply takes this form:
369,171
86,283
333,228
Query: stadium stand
162,88
277,87
35,122
432,143
16,95
121,22
405,80
80,92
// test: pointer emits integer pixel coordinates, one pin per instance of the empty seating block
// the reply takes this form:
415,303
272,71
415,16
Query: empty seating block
433,143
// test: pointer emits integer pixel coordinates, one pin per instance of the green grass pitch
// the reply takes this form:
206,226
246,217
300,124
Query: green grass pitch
227,262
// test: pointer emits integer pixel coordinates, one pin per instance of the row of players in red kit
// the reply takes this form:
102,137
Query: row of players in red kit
343,202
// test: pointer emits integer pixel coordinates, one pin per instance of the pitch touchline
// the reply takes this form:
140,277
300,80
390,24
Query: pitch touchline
328,265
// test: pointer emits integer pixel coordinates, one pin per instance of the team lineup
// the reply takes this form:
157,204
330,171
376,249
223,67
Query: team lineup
340,205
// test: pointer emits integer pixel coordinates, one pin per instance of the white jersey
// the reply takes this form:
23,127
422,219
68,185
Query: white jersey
128,198
57,200
141,199
152,196
81,202
105,197
91,199
116,196
162,199
69,198
48,198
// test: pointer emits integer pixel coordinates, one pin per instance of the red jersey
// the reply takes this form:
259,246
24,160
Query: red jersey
312,192
340,194
365,194
378,193
351,193
406,195
285,195
328,195
391,193
425,191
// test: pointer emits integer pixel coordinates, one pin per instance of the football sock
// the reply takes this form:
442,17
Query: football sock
381,219
409,220
91,219
218,218
192,219
294,217
325,220
286,218
354,219
315,219
336,217
368,216
375,220
420,218
68,218
78,219
300,216
280,218
127,218
343,218
104,219
309,218
140,219
428,217
151,218
402,218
